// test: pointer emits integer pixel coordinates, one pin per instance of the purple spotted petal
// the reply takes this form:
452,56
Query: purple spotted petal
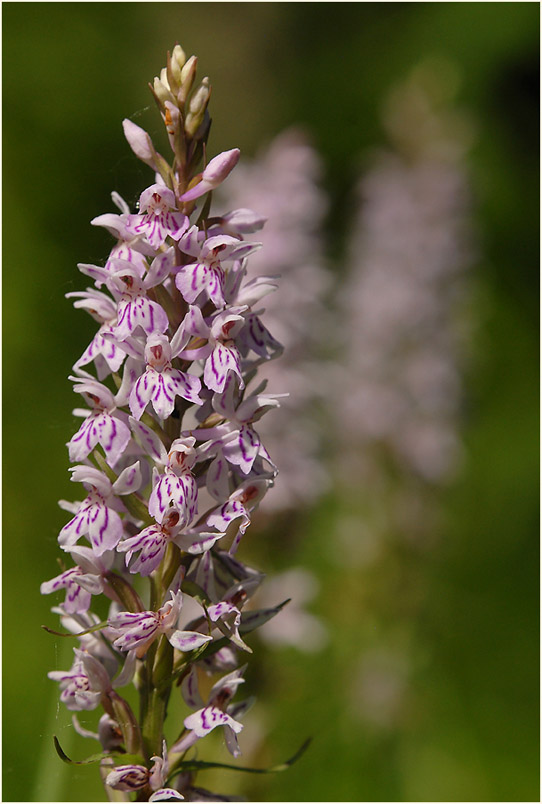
142,392
231,510
223,609
160,268
77,598
139,312
258,338
76,527
163,393
104,529
151,544
218,483
134,629
156,226
166,794
197,542
129,480
221,360
186,385
150,442
194,324
100,428
170,488
106,355
128,777
243,450
188,640
96,520
207,719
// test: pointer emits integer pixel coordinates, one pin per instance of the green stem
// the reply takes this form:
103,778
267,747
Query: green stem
159,668
153,723
170,565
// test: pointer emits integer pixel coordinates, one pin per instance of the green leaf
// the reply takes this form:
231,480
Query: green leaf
196,764
195,591
250,620
127,758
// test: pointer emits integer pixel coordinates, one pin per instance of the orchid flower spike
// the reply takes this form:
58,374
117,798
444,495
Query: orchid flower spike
169,459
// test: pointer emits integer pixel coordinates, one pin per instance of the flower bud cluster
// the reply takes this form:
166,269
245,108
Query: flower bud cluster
168,455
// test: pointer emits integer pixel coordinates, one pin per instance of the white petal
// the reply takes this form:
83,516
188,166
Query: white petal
188,640
129,480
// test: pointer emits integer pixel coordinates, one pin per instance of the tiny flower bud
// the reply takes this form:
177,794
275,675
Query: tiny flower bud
174,67
174,128
188,73
161,90
187,78
140,143
197,107
200,98
214,174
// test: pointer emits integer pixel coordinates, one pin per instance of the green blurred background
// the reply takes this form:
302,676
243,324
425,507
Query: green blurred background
72,72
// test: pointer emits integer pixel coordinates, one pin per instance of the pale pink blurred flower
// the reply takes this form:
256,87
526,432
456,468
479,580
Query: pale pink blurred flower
405,310
404,292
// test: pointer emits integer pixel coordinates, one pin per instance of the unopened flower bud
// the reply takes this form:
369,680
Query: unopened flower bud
199,100
161,89
189,70
177,62
214,174
221,166
188,75
174,127
140,143
197,107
